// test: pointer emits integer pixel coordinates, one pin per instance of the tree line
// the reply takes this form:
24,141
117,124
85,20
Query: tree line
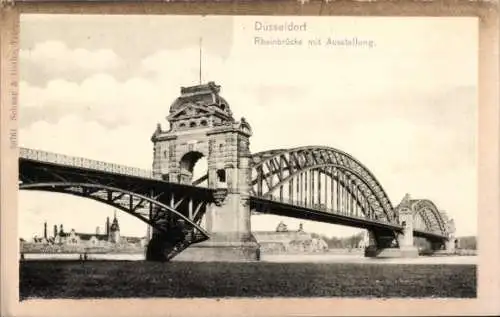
351,242
468,243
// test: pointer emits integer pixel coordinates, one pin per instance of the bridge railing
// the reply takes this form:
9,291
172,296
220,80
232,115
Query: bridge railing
81,162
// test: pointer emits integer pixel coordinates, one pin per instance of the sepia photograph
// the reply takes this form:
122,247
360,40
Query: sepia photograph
174,156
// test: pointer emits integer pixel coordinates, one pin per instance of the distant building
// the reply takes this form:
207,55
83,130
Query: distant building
282,240
111,237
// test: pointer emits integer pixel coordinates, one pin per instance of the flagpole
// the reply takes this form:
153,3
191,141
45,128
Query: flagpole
200,61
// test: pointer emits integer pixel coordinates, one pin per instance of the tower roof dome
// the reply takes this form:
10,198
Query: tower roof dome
205,95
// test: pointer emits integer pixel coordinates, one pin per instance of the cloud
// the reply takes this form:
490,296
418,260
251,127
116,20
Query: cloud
57,57
70,133
100,97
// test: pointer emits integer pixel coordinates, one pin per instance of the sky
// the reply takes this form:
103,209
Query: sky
406,107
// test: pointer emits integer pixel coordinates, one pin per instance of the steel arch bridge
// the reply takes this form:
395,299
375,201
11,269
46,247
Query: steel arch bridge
316,183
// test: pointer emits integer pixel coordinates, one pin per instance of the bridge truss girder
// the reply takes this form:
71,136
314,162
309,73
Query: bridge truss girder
272,169
352,191
157,203
154,213
425,212
147,209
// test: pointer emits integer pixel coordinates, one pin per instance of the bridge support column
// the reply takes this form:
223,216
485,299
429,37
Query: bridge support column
389,244
386,245
230,237
382,244
405,239
450,245
437,246
228,219
447,246
371,248
159,246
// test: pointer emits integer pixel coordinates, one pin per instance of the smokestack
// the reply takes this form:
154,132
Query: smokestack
107,225
61,231
97,230
55,231
45,229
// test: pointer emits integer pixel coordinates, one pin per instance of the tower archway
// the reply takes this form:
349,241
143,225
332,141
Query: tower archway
187,166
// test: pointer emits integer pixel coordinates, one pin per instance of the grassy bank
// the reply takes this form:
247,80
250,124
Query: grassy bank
108,279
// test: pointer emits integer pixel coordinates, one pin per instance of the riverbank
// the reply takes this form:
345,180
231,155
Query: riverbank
326,257
141,279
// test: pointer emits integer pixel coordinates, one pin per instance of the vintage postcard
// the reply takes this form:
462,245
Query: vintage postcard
247,157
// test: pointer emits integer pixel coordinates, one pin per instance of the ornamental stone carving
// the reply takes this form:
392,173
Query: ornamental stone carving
219,196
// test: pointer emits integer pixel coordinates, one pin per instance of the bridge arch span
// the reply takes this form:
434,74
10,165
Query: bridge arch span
431,217
272,169
146,209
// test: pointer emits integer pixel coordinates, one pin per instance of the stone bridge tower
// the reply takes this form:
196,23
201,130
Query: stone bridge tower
202,125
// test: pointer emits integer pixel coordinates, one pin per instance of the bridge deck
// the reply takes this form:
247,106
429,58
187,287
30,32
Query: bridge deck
81,162
302,211
39,166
